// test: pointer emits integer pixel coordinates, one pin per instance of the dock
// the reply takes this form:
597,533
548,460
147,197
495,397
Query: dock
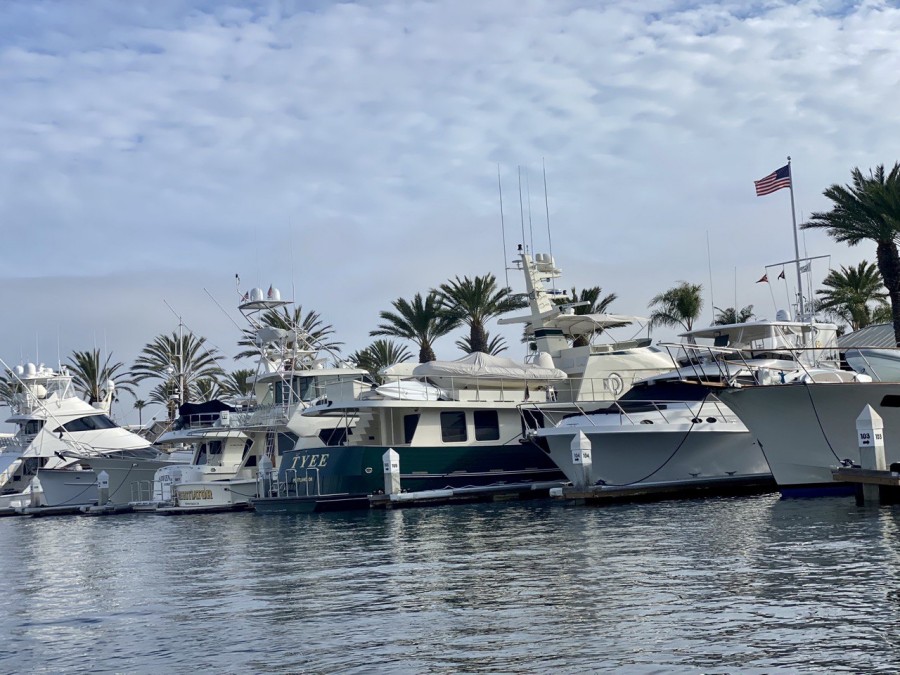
487,493
873,486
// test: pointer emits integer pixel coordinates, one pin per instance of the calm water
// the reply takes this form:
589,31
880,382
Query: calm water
750,584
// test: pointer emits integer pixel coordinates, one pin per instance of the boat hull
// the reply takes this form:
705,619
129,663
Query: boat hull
358,470
205,495
129,479
807,429
678,455
67,487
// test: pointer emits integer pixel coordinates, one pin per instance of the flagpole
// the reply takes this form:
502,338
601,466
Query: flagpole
796,244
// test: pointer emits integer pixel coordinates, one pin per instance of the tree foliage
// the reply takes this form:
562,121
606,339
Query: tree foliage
421,321
678,306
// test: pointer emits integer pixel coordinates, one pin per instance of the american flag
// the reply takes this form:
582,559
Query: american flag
776,180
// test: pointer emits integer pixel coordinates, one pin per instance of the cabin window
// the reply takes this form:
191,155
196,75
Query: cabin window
891,401
89,423
214,449
286,442
247,445
304,388
333,437
410,423
487,425
33,426
453,427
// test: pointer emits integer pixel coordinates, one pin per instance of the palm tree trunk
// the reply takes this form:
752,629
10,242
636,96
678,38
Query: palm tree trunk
477,339
426,353
889,266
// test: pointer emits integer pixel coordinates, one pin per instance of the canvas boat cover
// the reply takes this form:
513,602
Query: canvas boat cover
481,365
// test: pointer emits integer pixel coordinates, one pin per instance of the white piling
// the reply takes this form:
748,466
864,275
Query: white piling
391,462
102,488
870,434
265,476
582,461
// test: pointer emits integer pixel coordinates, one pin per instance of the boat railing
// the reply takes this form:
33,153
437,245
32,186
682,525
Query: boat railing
288,485
142,491
635,411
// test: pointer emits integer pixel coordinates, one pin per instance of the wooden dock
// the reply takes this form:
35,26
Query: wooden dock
873,486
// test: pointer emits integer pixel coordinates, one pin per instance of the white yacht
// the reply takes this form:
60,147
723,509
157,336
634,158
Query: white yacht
43,463
673,430
457,423
230,442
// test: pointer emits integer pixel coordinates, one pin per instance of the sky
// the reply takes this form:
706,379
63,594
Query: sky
348,153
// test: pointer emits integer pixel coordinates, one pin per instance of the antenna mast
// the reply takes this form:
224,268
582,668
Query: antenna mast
502,226
547,207
521,210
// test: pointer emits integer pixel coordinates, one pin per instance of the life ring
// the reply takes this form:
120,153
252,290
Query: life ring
615,384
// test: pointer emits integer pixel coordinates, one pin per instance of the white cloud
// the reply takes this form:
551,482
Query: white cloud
354,147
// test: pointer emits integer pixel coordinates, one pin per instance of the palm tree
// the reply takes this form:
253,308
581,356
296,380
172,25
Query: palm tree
850,291
179,362
139,405
475,302
679,306
730,315
90,376
378,355
594,305
208,389
318,332
868,209
238,383
494,345
422,321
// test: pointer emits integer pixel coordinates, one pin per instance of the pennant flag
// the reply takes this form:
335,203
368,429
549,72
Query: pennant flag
781,276
805,268
780,178
245,297
270,292
765,278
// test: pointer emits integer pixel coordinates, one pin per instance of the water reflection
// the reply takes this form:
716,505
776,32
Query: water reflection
749,584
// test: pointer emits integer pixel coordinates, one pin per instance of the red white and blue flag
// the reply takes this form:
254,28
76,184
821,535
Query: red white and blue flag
781,178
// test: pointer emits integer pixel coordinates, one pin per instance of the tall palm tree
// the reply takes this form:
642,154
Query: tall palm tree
378,355
868,209
494,345
595,305
208,389
678,306
422,321
320,333
238,382
139,405
90,375
475,302
850,293
730,315
178,362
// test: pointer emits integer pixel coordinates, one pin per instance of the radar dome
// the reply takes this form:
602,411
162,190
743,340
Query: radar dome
256,295
782,315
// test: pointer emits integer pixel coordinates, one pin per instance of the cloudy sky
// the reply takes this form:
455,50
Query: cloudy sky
348,153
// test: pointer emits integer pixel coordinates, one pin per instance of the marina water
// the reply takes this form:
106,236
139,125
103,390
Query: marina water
745,584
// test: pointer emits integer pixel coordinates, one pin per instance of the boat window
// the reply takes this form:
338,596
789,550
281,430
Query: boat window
453,427
247,445
333,437
891,401
304,388
286,442
214,450
487,426
673,390
410,423
33,426
201,455
89,423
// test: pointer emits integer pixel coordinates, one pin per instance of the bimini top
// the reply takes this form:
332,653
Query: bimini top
481,365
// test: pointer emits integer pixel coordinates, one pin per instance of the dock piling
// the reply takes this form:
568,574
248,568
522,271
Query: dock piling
582,460
391,460
870,434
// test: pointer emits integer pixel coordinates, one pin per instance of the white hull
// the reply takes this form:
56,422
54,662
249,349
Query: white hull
673,454
129,479
214,494
805,430
67,487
